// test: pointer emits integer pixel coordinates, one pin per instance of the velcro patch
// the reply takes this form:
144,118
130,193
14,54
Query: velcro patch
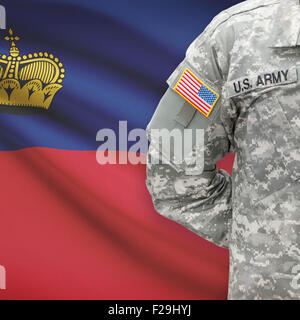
196,92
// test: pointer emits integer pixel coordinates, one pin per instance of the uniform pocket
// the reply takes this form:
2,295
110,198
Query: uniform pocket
269,144
285,134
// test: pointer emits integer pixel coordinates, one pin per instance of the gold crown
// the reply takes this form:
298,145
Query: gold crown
31,80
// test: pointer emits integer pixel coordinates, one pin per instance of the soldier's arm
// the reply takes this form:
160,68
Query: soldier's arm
200,201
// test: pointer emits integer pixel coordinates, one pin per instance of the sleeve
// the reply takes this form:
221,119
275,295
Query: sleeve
197,198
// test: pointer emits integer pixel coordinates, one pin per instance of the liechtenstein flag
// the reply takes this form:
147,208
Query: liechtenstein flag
72,227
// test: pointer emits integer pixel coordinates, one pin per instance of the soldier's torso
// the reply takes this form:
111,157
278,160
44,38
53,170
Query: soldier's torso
264,85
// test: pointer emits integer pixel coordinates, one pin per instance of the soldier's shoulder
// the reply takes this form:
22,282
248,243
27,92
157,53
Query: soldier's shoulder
247,8
249,5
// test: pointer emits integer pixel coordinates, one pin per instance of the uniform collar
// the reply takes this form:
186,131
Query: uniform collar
286,25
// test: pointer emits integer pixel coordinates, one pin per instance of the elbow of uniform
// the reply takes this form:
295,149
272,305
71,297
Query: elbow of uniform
165,209
160,205
211,233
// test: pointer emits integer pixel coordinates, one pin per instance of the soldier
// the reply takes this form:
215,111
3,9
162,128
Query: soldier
240,83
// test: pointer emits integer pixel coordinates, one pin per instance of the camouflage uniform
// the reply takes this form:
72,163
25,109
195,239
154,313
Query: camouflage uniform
250,55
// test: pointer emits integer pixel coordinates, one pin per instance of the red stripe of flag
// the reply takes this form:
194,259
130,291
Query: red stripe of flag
188,72
189,92
191,83
192,80
195,93
191,99
195,80
192,96
185,76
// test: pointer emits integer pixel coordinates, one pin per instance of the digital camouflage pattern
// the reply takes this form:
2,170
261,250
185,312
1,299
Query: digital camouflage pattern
250,54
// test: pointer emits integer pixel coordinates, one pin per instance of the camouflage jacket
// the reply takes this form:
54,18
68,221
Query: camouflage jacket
250,56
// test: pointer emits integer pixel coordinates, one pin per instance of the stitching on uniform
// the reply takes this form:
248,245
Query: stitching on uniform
230,15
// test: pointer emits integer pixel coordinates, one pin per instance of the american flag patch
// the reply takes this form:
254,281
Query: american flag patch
196,92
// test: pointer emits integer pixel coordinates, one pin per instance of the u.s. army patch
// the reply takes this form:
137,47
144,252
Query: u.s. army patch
196,92
264,80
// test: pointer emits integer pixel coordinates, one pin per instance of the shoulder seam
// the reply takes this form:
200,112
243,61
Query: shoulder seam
224,16
222,19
